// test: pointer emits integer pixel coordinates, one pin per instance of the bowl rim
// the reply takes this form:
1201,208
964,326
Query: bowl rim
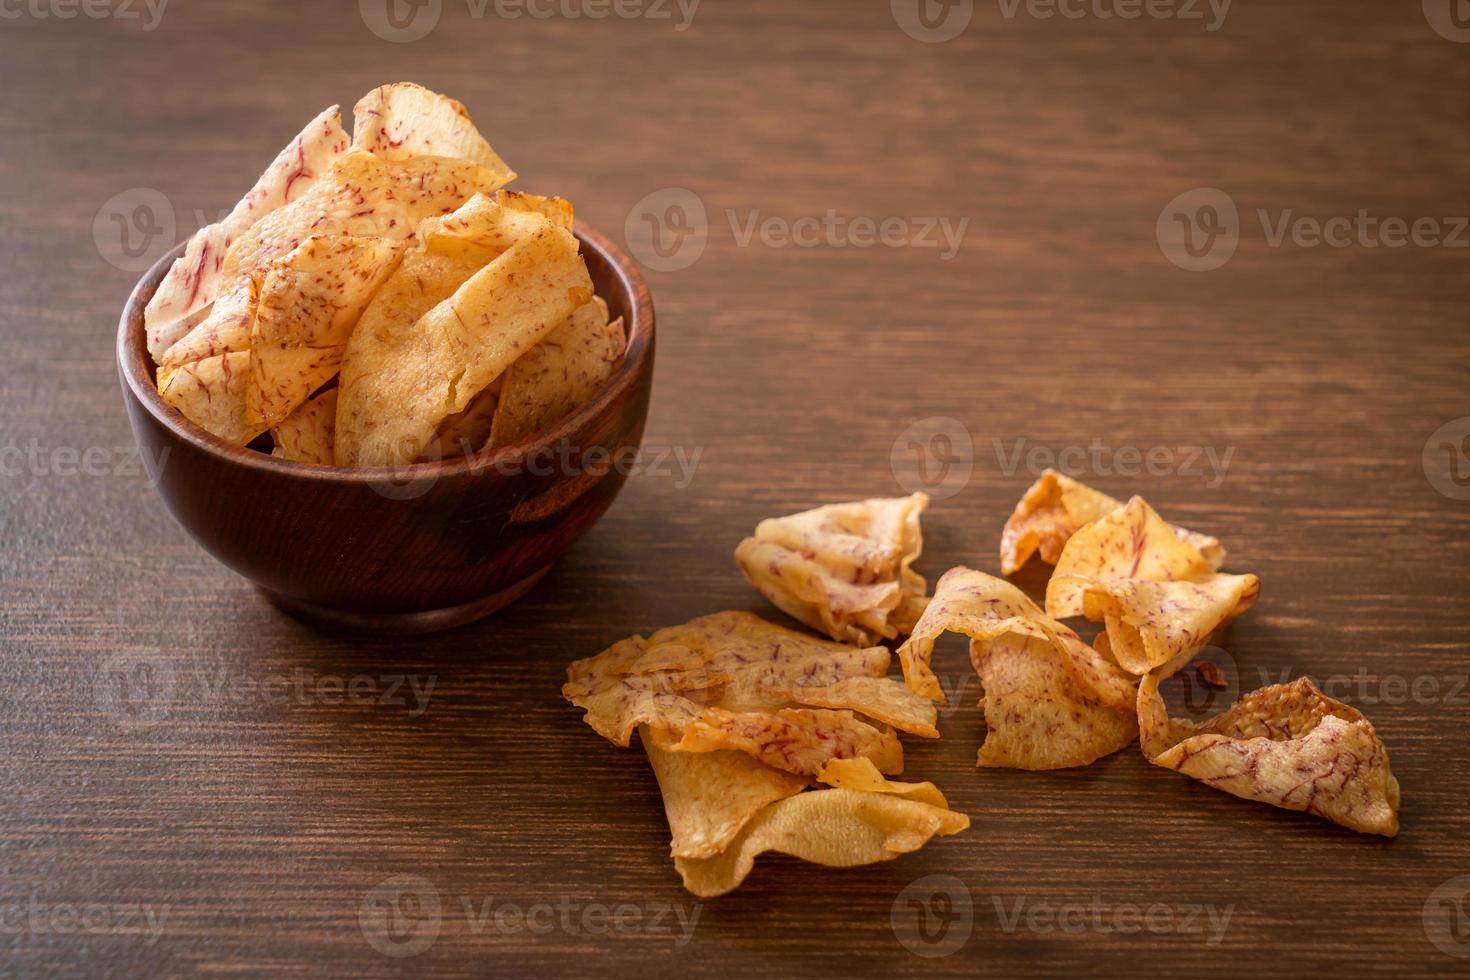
136,366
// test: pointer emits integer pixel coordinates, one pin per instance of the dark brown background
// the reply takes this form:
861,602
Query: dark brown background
262,822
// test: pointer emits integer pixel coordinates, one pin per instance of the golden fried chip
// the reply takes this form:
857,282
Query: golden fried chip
798,740
211,393
361,195
480,230
190,285
1154,590
306,434
1050,700
1132,542
555,209
1056,507
309,301
860,774
390,410
877,697
1288,745
1151,623
840,828
733,681
558,375
404,120
842,569
710,796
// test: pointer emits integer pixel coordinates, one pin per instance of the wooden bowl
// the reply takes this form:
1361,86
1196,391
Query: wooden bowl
410,548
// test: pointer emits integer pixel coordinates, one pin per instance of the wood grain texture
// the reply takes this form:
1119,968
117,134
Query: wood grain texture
172,741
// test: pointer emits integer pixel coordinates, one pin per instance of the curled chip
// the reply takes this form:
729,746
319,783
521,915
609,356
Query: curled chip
840,828
1288,745
1056,507
557,210
843,569
404,120
1050,700
190,285
457,348
309,301
1155,591
734,681
710,796
306,435
861,774
1151,623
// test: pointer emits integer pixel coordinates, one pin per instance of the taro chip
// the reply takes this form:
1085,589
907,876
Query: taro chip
1288,745
861,774
557,210
306,434
191,282
1155,591
558,375
1132,542
710,796
839,828
797,740
389,416
361,195
843,569
404,120
1050,700
310,300
1151,623
211,394
732,681
1056,507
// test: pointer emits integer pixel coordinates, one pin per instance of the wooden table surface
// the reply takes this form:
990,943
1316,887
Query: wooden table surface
192,782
